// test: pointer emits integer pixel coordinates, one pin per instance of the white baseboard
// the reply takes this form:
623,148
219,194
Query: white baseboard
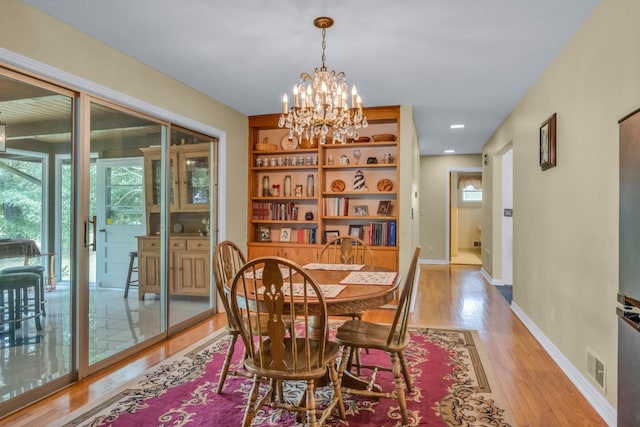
488,278
588,390
433,261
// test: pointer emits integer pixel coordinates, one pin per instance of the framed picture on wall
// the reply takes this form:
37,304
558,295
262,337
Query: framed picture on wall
548,143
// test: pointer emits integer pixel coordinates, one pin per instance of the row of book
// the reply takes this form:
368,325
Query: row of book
336,206
304,235
278,211
382,233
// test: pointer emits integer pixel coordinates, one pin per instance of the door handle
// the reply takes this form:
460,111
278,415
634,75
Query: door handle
102,230
92,221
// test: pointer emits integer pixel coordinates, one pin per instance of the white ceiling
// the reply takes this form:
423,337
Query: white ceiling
454,61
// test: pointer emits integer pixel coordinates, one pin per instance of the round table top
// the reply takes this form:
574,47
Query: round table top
355,298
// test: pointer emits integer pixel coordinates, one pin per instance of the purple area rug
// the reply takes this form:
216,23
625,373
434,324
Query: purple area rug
450,375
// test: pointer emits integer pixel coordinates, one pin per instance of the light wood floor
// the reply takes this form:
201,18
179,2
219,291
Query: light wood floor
536,390
471,256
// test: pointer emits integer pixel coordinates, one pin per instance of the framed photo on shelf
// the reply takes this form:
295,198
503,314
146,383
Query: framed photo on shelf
361,210
355,231
285,234
329,235
264,233
384,207
548,143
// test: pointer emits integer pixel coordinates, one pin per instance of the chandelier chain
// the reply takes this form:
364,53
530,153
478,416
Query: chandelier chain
324,45
321,103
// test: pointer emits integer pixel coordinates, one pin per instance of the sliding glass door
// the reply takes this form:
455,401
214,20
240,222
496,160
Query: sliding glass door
117,219
107,223
36,341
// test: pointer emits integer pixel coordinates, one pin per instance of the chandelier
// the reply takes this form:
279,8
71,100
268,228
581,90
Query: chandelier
320,103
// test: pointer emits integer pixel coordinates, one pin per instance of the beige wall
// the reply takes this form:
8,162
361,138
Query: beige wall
434,185
409,192
55,44
566,218
469,221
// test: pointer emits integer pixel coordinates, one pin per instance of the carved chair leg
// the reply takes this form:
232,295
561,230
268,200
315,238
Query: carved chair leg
227,362
344,357
405,372
337,389
311,404
397,379
250,410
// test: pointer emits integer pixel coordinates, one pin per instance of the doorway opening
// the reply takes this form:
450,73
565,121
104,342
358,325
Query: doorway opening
465,217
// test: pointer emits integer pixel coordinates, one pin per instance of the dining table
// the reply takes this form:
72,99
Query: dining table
15,248
349,288
371,287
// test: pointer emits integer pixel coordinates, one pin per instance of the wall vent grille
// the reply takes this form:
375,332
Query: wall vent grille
596,369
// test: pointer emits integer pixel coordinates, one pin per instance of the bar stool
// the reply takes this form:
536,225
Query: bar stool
17,306
132,269
35,269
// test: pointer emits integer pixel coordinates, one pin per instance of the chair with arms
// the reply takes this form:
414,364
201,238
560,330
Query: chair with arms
284,292
227,261
393,339
346,250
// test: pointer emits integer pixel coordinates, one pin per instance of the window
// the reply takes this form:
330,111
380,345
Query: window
471,194
470,188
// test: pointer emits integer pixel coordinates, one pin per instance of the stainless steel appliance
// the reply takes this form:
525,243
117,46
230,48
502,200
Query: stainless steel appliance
629,271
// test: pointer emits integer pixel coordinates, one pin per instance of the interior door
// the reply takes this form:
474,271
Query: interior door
120,217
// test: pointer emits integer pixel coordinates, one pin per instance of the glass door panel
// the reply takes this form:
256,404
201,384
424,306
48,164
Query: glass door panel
196,179
116,322
36,346
191,240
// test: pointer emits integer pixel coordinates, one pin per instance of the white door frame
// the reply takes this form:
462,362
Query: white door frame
507,222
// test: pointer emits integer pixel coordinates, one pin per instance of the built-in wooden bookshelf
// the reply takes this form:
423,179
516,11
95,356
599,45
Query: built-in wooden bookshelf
298,197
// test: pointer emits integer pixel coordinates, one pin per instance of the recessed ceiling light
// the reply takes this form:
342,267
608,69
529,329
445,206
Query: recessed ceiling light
449,151
457,126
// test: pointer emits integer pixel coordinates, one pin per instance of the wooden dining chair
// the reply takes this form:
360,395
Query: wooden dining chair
392,339
346,250
227,261
283,291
